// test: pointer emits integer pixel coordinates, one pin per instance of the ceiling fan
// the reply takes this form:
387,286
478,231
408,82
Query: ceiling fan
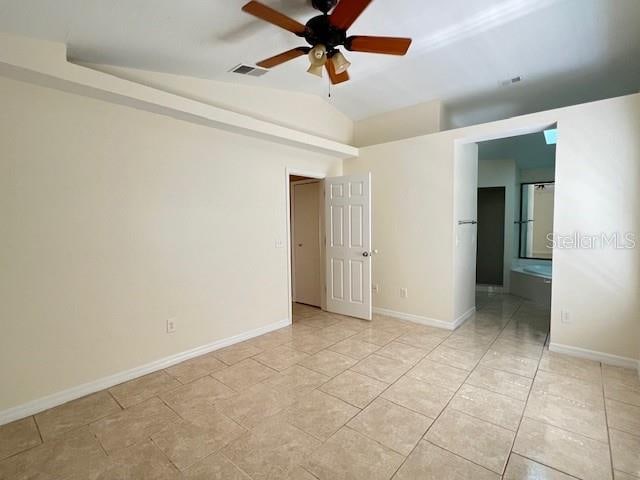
325,33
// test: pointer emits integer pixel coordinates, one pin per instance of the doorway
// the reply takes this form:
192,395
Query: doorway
306,234
329,242
491,221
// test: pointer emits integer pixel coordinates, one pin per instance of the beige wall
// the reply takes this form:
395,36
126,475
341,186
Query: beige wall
465,205
412,209
115,220
304,112
408,122
597,189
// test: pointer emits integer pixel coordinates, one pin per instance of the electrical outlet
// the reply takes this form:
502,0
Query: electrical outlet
171,325
565,317
404,293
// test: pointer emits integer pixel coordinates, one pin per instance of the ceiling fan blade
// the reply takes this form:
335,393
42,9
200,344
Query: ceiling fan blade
347,12
386,45
283,57
270,15
335,77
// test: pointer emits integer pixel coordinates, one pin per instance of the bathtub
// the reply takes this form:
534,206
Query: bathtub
543,270
533,282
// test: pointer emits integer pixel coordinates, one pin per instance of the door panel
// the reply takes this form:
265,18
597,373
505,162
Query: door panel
348,230
490,256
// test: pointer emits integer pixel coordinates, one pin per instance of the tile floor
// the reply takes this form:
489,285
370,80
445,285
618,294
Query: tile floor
337,398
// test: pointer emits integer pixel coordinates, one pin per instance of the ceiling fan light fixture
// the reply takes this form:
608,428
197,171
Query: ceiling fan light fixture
318,55
340,63
316,70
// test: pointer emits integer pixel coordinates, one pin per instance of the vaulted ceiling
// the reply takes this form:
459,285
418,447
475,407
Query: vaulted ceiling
565,51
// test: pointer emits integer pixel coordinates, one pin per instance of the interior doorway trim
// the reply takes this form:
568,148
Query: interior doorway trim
287,186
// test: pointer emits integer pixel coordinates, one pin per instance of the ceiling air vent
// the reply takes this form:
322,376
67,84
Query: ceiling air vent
248,70
511,81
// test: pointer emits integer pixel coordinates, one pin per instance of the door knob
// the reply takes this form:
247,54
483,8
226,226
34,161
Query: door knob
366,254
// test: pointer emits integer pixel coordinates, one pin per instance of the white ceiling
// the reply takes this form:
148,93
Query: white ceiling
566,50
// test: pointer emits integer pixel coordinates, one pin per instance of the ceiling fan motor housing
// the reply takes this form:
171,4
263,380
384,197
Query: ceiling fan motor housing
319,31
324,5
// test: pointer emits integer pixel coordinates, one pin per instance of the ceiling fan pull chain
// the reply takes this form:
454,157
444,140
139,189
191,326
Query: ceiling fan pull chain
329,89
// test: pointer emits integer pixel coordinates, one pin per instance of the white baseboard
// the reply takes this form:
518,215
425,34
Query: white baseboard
50,401
464,317
602,357
431,322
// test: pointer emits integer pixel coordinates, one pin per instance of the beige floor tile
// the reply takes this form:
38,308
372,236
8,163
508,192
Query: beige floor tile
336,333
564,451
618,475
429,462
132,425
349,455
265,342
427,399
470,344
570,366
568,414
354,388
320,414
356,349
237,353
520,468
195,368
505,383
510,363
434,332
75,414
254,405
140,461
18,436
377,336
215,467
318,321
353,323
425,341
622,392
476,440
310,343
391,425
626,376
403,352
493,407
438,374
143,388
76,455
571,388
504,345
456,358
281,358
296,380
187,442
298,473
623,417
328,363
273,446
244,374
381,368
198,395
625,450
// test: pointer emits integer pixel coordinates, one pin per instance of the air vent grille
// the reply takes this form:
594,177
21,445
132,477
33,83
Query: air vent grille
248,70
511,81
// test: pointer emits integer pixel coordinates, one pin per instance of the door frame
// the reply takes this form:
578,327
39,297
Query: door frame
287,187
293,232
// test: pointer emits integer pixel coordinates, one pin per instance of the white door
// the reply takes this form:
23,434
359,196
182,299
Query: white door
348,252
306,243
